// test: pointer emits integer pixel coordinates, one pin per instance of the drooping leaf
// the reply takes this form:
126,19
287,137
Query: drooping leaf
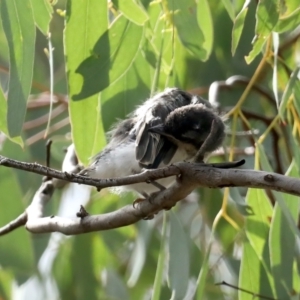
21,259
19,28
86,21
158,281
206,25
112,56
258,223
289,22
42,11
238,26
229,7
202,278
267,16
288,91
252,275
132,11
178,268
184,16
282,242
3,119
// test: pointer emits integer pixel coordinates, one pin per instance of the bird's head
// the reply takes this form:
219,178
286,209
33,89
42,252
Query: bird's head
192,125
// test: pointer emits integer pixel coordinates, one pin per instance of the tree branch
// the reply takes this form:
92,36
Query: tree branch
189,177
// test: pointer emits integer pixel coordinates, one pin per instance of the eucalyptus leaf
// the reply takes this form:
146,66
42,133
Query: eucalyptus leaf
289,22
42,12
19,28
184,17
267,16
132,11
86,21
288,91
112,56
178,258
205,22
238,26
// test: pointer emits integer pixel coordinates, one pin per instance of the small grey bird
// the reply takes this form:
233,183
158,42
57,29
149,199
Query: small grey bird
168,128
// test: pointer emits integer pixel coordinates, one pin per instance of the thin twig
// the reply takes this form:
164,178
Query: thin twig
18,222
255,295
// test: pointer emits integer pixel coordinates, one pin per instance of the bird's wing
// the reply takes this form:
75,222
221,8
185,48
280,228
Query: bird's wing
153,148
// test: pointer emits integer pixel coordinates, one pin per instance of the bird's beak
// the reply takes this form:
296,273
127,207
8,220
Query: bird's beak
157,129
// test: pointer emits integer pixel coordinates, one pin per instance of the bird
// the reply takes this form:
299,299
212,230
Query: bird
167,128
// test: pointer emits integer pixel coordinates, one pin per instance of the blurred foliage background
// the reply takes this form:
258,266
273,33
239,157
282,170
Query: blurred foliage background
103,58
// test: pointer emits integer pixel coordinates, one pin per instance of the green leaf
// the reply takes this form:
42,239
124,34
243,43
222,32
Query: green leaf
86,284
238,26
267,16
288,91
3,112
205,22
121,97
19,28
158,281
229,8
282,242
202,278
132,11
19,258
253,276
112,56
290,22
3,120
258,224
115,286
185,21
178,268
296,92
86,21
263,159
42,13
138,255
6,282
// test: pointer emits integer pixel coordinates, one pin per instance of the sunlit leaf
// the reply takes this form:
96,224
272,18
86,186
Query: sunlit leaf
19,28
112,56
289,22
253,276
282,242
132,11
229,7
3,120
288,91
267,16
121,97
206,25
184,17
6,281
238,26
258,223
86,21
42,11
